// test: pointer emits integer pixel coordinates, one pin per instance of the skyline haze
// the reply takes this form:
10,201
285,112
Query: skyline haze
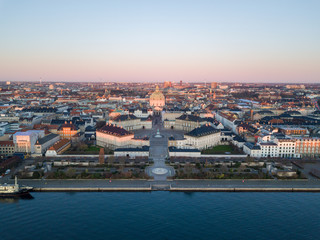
129,41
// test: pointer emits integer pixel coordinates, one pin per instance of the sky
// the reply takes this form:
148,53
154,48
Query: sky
163,40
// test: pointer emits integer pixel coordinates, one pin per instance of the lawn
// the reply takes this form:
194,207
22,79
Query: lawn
93,149
220,149
88,150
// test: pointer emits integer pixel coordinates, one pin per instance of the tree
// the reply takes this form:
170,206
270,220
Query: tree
82,147
100,124
188,169
110,160
36,175
224,168
71,172
242,167
249,159
198,165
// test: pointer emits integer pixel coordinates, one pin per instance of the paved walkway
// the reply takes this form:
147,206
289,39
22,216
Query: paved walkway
158,153
166,185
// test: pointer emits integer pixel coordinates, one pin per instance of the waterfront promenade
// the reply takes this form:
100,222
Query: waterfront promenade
175,185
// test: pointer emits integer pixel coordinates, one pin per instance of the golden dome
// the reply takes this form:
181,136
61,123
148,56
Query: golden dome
157,95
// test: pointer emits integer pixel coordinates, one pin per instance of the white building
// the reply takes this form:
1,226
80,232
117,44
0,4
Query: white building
45,143
113,137
286,147
178,152
268,149
25,141
130,122
227,119
132,152
203,137
144,113
282,147
252,150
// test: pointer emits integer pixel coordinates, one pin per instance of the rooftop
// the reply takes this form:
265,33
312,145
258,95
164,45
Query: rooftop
191,118
174,149
123,118
47,138
204,130
114,130
59,144
143,149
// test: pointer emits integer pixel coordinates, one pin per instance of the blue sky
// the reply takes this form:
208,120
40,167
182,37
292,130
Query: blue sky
246,41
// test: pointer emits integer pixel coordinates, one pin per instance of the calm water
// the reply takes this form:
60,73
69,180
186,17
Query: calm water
162,215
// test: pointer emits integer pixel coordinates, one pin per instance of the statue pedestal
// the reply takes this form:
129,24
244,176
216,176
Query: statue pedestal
158,135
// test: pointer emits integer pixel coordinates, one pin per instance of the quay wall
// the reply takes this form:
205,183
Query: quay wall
90,189
173,189
245,189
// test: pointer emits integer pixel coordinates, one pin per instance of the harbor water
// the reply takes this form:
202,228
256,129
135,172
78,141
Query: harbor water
161,215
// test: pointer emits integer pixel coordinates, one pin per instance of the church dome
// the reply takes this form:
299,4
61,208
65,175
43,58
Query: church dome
157,95
157,99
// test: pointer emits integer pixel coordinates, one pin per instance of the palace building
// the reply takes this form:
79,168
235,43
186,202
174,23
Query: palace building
203,137
112,136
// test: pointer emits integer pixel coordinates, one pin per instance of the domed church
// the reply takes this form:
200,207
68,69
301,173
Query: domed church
157,99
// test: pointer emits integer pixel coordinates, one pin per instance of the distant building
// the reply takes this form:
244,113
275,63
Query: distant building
214,85
167,85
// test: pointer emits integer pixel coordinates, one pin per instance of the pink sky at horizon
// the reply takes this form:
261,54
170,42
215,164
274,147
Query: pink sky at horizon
265,41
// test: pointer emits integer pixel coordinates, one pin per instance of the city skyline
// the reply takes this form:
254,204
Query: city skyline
144,41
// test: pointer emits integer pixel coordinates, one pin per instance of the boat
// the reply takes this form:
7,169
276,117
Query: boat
14,190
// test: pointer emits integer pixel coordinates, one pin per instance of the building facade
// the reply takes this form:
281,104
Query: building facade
203,137
6,148
112,137
24,142
308,147
58,148
68,130
187,122
46,142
